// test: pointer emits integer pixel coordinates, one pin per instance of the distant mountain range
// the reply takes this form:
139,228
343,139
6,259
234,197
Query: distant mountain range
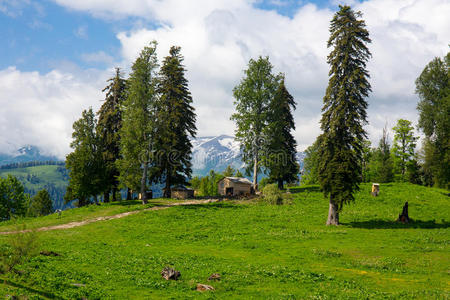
25,154
209,153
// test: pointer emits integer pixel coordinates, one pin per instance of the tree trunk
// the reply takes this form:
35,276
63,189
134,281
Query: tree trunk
255,173
106,197
129,196
144,185
114,193
167,193
280,184
333,215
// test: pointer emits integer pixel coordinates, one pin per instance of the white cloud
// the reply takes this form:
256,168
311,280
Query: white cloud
39,109
81,32
217,39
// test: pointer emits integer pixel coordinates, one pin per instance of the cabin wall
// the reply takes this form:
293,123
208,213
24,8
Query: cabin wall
238,188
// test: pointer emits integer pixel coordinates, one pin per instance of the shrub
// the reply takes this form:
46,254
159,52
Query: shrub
21,247
272,194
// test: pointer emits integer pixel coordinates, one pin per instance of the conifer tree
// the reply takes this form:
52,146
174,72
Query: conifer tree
138,122
404,145
175,124
85,164
344,110
41,204
252,98
109,124
280,159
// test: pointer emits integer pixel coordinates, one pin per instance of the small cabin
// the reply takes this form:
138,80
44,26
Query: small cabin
235,186
181,192
149,195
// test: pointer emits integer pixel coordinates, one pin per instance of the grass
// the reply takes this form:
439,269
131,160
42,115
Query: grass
261,251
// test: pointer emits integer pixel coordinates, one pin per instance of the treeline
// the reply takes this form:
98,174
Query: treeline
139,137
208,185
28,164
16,202
397,159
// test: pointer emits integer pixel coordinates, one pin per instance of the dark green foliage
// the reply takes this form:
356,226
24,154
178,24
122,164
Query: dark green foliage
138,121
367,154
433,88
310,173
229,171
382,165
253,96
41,204
280,158
109,124
175,124
85,163
404,146
207,185
344,110
13,200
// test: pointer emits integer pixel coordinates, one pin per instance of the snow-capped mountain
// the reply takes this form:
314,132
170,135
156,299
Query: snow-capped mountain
217,152
25,154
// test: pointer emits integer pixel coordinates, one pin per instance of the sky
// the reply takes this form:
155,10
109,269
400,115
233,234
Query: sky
56,56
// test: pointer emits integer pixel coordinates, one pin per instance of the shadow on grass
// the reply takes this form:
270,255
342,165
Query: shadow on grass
306,189
383,224
216,205
31,290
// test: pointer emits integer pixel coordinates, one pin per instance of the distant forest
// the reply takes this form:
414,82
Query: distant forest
19,165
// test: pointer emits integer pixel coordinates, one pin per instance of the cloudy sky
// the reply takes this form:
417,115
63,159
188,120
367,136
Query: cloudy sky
57,55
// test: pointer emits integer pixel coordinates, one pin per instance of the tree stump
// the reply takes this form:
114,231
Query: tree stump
404,217
170,274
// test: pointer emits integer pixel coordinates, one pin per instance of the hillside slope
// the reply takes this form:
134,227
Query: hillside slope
261,251
53,178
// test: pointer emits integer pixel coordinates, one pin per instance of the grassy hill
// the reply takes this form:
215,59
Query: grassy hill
54,178
261,251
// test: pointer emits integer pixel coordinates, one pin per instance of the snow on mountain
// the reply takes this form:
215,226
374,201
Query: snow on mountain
216,153
25,154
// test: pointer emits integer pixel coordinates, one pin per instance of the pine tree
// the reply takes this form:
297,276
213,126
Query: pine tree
41,204
344,110
280,159
138,122
252,98
109,124
175,124
404,145
433,88
229,171
85,164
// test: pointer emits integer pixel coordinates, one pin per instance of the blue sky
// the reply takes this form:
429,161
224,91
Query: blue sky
42,35
57,55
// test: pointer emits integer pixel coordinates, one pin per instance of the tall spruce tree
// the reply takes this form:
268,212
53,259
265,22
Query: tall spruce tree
109,124
433,88
404,145
344,110
280,159
253,96
175,124
138,123
85,164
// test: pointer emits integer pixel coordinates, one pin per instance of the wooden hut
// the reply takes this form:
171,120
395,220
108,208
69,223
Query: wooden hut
181,192
234,186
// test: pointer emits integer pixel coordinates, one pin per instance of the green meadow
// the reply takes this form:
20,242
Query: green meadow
261,251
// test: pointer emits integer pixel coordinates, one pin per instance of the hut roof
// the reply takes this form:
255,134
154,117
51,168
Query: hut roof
181,188
238,180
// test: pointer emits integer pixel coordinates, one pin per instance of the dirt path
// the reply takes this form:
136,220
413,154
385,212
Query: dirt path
106,218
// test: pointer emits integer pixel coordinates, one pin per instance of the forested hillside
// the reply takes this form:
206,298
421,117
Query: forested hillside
53,177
